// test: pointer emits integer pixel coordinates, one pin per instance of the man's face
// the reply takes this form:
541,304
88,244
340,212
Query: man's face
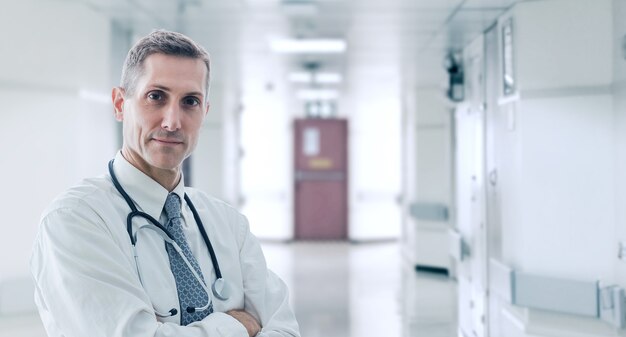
162,117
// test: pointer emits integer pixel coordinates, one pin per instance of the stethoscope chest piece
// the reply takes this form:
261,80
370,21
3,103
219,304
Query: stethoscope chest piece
221,289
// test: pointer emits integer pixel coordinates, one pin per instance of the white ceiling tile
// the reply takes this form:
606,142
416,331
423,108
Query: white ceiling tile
489,3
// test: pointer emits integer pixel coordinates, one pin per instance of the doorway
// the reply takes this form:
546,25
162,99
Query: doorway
320,179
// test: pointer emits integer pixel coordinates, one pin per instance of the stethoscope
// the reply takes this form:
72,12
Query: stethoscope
219,288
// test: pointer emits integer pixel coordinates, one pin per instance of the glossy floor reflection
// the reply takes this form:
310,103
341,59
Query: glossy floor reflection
342,290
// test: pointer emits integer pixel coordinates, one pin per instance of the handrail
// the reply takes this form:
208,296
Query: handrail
576,297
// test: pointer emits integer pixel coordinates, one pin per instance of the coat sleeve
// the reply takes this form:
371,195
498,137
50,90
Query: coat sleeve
265,295
86,285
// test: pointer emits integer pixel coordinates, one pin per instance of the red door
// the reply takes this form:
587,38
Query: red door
321,175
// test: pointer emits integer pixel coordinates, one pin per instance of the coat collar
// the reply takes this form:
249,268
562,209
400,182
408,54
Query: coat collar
148,195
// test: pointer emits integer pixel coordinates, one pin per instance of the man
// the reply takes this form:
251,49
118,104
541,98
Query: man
128,254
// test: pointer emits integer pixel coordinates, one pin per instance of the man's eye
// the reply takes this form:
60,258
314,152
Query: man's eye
191,101
155,96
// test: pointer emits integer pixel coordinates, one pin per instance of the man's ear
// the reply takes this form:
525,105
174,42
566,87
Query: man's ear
117,96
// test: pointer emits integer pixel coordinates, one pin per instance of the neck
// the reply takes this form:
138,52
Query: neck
168,178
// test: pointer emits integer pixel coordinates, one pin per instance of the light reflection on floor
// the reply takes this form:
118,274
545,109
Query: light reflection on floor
342,290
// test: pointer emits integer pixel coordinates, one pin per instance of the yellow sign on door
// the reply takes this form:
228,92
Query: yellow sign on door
320,163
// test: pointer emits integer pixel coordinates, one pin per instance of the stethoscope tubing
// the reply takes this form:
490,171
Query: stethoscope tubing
180,252
168,237
205,237
135,212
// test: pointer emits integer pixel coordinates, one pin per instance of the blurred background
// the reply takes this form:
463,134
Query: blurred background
412,167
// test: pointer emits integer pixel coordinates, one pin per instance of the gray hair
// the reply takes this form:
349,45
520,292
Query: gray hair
162,42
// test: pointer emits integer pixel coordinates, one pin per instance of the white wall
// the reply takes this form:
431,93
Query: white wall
433,146
563,44
374,136
373,105
266,165
567,208
208,169
433,177
52,137
563,185
619,102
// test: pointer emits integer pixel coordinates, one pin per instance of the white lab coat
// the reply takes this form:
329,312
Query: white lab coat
86,277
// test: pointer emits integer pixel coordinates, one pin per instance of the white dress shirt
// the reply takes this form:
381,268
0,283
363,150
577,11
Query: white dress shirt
86,277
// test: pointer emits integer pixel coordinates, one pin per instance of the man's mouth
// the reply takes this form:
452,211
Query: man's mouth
168,141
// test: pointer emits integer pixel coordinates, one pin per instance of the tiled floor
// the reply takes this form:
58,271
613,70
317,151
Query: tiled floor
342,290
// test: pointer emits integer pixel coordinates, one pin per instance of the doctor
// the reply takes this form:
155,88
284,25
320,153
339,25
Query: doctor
135,253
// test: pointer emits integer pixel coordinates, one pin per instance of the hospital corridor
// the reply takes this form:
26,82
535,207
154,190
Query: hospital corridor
314,168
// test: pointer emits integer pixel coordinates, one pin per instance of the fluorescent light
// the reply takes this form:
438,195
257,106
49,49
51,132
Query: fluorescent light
328,78
317,94
325,78
300,77
321,46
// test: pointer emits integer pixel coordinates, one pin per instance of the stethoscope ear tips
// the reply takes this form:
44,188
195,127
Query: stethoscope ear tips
220,289
173,312
191,310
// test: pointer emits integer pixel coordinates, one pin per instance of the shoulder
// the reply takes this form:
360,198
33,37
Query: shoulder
85,199
219,212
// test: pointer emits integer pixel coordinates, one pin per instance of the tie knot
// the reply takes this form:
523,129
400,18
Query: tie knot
172,206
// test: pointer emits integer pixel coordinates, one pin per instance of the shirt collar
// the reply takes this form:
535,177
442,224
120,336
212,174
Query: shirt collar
148,195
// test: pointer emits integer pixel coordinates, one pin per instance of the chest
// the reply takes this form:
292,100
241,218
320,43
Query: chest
151,264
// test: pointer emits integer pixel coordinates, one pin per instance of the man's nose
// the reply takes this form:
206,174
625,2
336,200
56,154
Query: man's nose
171,117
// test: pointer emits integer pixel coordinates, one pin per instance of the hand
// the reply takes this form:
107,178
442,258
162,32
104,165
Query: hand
248,321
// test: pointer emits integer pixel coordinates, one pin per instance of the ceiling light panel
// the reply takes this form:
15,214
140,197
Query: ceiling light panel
328,78
317,94
300,77
320,78
308,46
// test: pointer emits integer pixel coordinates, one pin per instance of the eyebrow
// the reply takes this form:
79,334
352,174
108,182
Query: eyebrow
164,88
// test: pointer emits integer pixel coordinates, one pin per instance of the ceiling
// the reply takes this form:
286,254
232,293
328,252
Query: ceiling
393,30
